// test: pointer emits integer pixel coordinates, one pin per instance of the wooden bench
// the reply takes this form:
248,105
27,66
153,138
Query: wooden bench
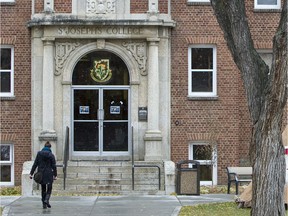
238,175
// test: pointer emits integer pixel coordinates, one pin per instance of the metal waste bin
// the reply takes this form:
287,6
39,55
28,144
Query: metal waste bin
188,178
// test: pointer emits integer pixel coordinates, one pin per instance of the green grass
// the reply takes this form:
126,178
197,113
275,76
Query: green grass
10,191
215,209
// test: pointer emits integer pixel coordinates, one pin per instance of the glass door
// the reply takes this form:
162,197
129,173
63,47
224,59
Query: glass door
101,120
115,122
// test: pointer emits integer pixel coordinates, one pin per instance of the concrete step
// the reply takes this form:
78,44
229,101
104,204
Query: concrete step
109,177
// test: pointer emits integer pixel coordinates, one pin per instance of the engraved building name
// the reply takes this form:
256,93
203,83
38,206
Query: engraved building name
91,30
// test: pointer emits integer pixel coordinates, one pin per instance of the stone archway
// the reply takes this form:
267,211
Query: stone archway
82,50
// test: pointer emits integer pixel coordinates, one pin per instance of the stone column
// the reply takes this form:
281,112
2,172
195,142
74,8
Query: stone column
153,137
48,132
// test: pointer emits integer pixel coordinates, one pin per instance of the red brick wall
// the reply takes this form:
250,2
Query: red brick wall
39,6
63,6
163,6
60,6
16,114
227,118
142,6
138,6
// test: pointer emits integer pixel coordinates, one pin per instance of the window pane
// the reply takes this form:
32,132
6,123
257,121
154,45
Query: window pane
267,58
100,65
202,152
5,59
5,82
86,136
5,152
115,136
5,173
202,82
202,58
87,100
267,2
118,100
205,173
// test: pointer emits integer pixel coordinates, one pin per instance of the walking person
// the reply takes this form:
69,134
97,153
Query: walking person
46,163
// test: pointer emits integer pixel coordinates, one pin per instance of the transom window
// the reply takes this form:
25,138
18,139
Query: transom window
7,164
202,71
7,71
267,4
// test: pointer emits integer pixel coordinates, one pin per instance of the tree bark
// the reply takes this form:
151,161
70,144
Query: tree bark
266,93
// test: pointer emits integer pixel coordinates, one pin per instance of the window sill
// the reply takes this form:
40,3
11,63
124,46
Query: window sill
198,3
7,3
8,98
193,98
267,10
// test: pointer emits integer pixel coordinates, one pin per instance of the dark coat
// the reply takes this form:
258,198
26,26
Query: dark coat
45,161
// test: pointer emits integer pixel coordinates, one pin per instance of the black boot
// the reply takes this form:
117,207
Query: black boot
43,198
46,201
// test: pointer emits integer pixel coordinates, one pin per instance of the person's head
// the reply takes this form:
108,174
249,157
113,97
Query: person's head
47,144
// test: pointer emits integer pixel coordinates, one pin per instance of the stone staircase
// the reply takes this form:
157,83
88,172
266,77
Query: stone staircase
109,177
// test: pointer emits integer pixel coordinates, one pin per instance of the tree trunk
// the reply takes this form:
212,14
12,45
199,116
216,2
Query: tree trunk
266,93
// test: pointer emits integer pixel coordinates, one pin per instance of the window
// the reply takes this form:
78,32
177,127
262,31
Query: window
202,71
207,156
267,56
7,71
7,165
267,4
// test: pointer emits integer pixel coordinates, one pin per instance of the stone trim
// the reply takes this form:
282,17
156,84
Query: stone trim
138,51
63,51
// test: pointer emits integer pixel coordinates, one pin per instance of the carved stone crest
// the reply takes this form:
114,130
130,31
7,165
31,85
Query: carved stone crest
100,6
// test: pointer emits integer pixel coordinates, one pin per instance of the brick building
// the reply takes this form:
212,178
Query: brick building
15,93
153,74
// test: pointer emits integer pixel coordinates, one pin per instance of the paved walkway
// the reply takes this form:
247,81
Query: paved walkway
106,205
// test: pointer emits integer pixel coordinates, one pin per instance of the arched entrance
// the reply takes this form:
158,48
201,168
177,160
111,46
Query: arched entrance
101,105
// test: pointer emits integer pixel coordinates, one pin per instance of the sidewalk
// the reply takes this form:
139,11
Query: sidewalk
107,205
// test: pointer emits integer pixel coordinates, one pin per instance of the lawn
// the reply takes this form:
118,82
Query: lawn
215,209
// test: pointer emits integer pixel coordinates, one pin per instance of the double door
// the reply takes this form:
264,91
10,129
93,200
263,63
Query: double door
101,120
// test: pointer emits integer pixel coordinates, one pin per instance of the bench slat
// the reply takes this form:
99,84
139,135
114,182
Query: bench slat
240,170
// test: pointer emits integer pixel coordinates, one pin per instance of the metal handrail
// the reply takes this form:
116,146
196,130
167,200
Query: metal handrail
66,157
134,166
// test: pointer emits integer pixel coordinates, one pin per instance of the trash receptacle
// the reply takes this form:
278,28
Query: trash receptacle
188,178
